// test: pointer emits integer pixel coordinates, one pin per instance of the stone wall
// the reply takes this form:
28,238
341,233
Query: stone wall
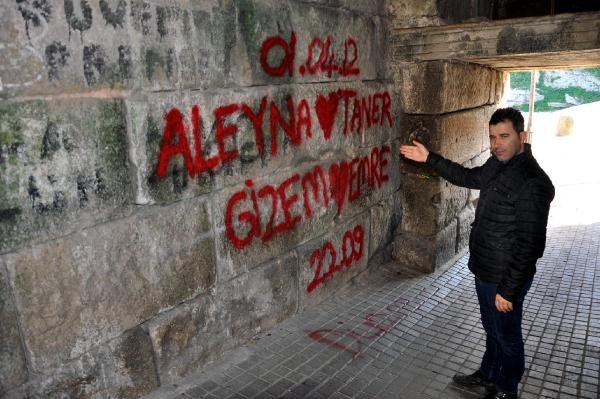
447,106
177,176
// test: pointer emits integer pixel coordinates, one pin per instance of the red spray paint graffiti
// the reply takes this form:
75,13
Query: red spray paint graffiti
353,340
296,123
345,180
352,251
320,57
294,119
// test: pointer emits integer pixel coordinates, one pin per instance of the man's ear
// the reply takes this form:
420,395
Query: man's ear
523,137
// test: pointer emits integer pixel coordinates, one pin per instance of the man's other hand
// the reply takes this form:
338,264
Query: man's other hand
502,304
416,152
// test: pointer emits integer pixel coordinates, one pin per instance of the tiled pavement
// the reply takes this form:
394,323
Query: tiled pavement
395,336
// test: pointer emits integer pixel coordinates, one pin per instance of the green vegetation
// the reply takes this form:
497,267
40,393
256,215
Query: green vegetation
522,81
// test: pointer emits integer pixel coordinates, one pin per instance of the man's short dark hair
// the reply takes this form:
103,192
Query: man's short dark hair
509,114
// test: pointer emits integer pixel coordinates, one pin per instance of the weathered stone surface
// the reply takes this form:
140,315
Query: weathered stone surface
261,298
63,47
465,218
425,253
506,43
408,13
187,337
385,218
13,369
184,44
75,46
382,38
438,87
63,165
429,204
122,368
458,136
107,279
327,126
499,81
193,334
363,7
325,267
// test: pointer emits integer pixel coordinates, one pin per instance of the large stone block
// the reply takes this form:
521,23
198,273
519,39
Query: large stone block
562,39
121,368
429,204
75,46
465,218
327,263
56,46
283,42
76,292
192,334
439,87
458,136
224,142
267,216
63,165
425,253
261,298
187,337
13,368
183,44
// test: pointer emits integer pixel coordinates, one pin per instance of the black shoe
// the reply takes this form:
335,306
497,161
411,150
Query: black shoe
500,395
473,380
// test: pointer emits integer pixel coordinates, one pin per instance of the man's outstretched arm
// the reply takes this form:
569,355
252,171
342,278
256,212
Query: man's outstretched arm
451,171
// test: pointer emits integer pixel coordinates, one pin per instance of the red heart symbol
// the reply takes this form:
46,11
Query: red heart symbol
326,108
339,175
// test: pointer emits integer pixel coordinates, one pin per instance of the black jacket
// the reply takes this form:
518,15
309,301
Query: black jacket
509,231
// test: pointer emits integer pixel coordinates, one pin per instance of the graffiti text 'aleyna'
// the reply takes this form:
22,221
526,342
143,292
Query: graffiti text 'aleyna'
297,121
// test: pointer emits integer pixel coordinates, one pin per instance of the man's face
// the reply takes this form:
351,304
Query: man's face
505,142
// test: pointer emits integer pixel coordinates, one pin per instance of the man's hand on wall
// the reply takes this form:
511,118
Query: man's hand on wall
416,152
502,304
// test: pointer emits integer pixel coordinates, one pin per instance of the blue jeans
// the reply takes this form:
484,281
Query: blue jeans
504,358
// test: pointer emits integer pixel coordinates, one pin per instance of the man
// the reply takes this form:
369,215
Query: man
507,237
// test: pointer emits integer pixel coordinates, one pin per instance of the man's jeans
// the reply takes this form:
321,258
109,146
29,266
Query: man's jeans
504,358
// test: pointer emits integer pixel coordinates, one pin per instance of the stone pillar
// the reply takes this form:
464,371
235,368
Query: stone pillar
447,106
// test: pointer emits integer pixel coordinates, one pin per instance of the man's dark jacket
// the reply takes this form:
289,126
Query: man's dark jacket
509,231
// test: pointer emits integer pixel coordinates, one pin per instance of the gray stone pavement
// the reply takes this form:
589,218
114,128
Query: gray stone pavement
398,336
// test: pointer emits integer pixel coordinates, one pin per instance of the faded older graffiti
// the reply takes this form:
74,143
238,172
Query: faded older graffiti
100,61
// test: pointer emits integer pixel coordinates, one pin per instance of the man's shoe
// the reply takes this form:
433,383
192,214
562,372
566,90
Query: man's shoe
501,395
473,380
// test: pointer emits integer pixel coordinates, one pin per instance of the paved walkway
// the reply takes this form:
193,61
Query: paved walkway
398,336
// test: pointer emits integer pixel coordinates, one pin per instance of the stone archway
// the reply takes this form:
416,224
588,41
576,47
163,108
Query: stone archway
450,79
